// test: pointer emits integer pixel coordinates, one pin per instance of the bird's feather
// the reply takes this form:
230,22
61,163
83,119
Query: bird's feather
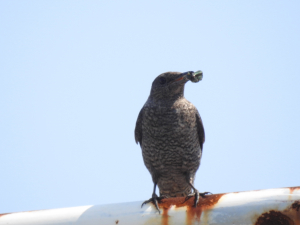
200,129
138,128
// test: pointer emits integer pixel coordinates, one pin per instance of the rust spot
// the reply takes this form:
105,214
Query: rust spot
165,216
192,213
274,218
117,221
296,205
294,212
4,214
292,189
208,201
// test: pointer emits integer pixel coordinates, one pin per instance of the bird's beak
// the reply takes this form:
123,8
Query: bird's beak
184,76
192,76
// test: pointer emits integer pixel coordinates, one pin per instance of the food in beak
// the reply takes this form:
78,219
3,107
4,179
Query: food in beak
195,76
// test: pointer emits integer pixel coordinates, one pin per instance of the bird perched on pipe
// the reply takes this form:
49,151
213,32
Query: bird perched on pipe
170,132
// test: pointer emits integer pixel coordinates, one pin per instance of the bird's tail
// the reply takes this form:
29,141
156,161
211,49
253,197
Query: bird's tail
169,188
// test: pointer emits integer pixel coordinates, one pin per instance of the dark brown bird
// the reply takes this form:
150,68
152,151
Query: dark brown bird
171,135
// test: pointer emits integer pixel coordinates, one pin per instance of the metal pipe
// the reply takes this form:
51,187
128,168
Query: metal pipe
262,207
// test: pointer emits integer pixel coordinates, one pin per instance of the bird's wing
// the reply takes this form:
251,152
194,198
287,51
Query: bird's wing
138,127
200,129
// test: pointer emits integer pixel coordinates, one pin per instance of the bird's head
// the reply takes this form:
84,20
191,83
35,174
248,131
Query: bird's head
170,85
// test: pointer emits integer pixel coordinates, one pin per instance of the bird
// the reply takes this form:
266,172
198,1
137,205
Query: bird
170,132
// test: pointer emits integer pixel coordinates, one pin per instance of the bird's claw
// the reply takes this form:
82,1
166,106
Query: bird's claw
155,200
196,194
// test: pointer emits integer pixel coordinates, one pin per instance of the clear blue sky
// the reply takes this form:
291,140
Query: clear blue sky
74,75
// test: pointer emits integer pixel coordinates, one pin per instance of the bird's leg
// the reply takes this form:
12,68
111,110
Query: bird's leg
196,194
155,199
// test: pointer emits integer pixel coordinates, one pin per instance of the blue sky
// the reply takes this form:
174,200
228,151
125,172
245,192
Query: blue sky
74,75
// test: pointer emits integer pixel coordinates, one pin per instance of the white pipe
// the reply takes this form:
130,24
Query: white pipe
261,207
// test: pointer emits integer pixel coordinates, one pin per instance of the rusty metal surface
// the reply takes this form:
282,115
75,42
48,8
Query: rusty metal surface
263,207
192,213
4,214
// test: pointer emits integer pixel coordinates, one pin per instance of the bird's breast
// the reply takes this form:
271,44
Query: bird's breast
172,122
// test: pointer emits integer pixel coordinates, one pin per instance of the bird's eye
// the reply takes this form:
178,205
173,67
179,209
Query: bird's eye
162,80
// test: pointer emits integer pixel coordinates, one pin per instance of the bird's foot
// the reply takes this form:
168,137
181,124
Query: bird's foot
196,194
155,200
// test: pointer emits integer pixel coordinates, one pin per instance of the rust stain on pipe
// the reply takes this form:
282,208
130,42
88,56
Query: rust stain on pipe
165,216
296,205
192,213
292,189
288,216
4,214
295,210
274,218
